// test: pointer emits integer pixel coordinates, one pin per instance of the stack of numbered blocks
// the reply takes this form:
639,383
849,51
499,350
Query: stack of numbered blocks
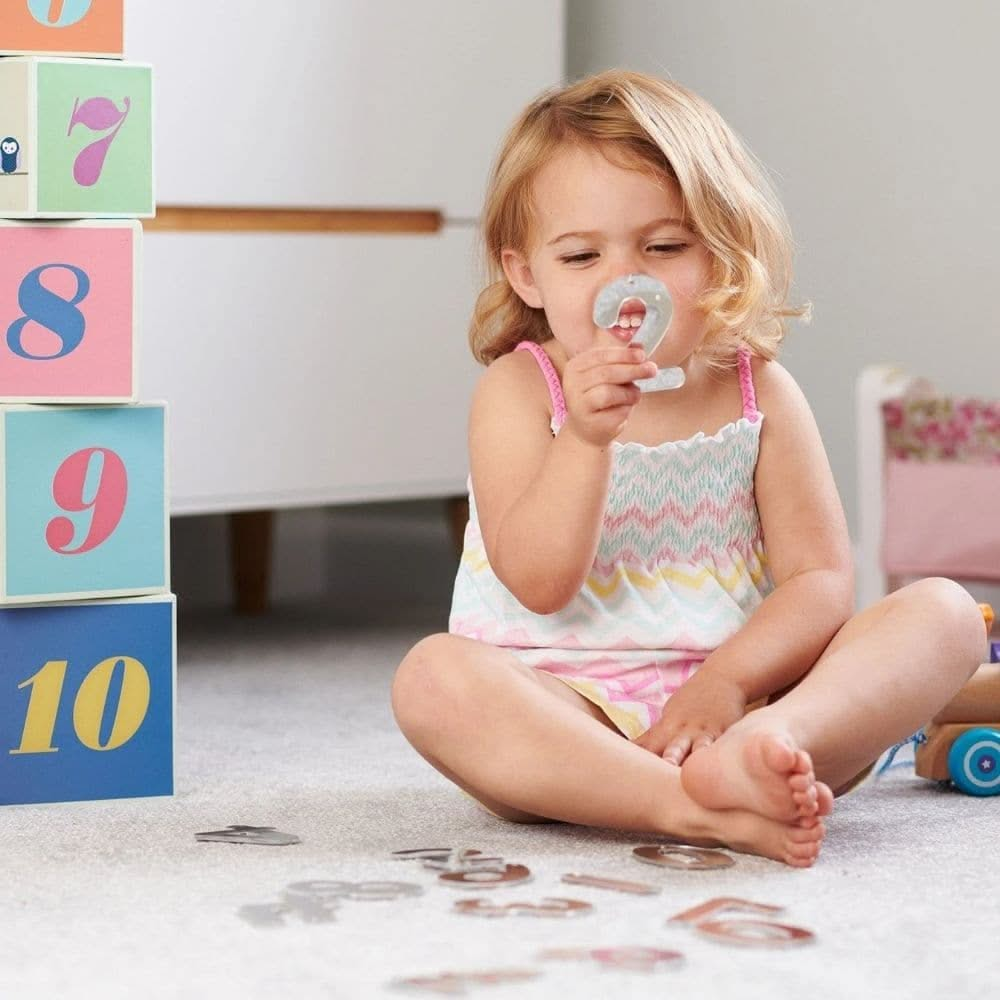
87,620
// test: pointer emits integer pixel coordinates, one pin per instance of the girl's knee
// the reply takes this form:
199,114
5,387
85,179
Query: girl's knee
949,607
421,681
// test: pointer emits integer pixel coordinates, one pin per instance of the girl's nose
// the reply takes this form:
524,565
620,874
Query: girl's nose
626,262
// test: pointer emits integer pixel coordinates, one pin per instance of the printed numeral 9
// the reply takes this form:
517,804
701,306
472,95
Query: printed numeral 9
107,506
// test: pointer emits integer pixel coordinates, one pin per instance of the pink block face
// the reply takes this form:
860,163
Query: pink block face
67,318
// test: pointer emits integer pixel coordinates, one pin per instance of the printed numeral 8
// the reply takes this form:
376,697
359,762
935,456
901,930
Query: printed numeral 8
57,314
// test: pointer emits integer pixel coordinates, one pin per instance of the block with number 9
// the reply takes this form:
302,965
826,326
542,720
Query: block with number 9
76,139
87,700
84,493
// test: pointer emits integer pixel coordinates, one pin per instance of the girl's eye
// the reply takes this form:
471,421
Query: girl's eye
659,247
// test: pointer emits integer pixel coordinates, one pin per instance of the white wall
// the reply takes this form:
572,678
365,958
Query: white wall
878,122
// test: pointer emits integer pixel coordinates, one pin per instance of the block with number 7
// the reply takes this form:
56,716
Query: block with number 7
84,495
76,138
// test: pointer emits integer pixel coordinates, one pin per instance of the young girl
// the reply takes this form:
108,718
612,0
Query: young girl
643,570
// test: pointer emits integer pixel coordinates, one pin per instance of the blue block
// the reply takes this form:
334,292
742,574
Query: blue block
87,698
995,652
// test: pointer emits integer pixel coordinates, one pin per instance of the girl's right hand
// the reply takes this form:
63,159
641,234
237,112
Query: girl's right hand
599,391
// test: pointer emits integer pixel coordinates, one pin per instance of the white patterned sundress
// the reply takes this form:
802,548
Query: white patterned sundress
679,569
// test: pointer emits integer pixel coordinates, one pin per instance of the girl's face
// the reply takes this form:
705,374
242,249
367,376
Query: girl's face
620,222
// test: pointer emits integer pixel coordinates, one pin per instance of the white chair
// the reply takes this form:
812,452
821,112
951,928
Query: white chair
921,513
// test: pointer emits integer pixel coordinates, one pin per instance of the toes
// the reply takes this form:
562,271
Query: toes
801,783
803,845
802,855
778,756
810,849
807,805
824,799
807,833
803,763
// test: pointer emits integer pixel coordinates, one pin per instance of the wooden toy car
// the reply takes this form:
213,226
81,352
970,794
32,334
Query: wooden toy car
963,739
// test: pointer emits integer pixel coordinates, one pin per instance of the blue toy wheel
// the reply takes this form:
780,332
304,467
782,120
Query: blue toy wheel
974,762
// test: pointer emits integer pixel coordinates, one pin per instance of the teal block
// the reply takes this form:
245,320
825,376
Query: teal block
87,700
85,502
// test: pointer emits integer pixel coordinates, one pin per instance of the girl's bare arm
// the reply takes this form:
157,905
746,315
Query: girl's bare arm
540,501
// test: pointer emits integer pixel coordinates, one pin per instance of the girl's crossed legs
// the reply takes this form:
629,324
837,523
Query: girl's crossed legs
531,749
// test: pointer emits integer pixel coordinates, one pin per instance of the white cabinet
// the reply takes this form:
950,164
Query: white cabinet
309,369
306,369
368,103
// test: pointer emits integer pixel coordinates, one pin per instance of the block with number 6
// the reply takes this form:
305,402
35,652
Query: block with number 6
87,700
62,27
84,495
76,139
69,311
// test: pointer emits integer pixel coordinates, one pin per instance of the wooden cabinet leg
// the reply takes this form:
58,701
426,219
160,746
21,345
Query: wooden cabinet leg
458,516
250,534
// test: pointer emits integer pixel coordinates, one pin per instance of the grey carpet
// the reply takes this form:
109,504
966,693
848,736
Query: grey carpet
285,721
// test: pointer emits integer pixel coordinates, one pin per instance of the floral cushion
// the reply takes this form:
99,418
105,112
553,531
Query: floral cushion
942,429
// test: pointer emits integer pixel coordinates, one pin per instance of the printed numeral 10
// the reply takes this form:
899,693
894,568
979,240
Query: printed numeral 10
89,705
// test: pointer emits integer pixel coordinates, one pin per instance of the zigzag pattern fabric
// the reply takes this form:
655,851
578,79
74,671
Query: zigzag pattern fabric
679,569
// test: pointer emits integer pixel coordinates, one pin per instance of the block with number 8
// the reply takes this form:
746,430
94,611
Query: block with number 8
69,311
84,496
76,139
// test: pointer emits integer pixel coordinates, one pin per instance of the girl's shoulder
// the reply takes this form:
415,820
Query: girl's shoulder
513,386
774,386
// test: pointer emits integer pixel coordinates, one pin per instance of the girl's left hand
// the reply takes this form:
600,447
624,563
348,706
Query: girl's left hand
696,715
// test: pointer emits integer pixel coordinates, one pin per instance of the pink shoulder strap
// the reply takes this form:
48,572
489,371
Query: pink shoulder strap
750,410
551,377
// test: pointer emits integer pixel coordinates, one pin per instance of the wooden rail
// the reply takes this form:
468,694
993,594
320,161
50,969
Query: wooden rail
192,219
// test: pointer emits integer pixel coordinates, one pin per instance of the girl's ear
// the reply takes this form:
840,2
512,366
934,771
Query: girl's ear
518,272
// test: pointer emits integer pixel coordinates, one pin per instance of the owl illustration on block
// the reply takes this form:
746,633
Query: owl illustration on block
10,150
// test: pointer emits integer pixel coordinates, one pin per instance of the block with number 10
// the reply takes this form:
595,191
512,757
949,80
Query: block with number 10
84,497
75,138
87,700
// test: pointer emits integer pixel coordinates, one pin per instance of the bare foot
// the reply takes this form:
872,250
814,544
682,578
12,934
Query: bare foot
796,842
820,794
758,771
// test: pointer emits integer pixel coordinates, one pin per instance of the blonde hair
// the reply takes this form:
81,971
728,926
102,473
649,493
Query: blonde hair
656,126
